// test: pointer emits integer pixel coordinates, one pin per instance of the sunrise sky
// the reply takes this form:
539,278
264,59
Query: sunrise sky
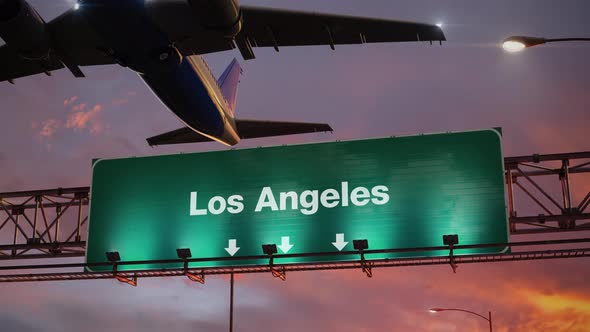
52,127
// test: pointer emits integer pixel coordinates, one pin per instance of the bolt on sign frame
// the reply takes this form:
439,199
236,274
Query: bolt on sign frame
395,192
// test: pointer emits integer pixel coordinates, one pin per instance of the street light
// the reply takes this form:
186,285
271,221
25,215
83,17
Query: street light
518,43
489,318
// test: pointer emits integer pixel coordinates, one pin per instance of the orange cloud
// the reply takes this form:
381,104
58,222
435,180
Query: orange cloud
79,120
552,303
49,128
557,312
70,100
79,107
90,119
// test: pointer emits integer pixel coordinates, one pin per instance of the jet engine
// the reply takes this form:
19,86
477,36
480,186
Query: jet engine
220,15
23,29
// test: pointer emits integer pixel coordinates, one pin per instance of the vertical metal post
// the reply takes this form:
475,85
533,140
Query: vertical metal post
57,213
567,200
490,320
15,235
37,202
79,219
231,302
566,185
511,208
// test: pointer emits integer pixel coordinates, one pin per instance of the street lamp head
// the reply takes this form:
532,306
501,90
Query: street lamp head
183,253
450,239
488,319
518,43
513,46
269,249
360,244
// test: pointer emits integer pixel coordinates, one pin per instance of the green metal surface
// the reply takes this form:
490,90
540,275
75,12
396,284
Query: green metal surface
418,188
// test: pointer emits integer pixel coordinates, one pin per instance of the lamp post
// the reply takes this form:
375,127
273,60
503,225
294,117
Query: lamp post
489,318
518,43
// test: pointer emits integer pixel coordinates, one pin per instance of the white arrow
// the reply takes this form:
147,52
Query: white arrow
285,246
231,247
339,244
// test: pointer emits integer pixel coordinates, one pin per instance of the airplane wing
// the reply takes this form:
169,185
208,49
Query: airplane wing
79,45
74,38
266,27
274,27
13,66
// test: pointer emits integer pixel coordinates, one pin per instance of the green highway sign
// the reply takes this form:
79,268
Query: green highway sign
398,192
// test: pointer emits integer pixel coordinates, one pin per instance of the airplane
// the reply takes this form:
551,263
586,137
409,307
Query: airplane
163,40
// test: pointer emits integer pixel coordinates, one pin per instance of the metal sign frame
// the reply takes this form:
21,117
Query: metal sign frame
462,192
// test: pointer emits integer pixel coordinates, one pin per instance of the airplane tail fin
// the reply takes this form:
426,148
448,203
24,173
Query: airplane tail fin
228,82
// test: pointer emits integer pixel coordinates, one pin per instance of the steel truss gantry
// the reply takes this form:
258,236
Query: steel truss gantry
43,223
536,177
52,223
